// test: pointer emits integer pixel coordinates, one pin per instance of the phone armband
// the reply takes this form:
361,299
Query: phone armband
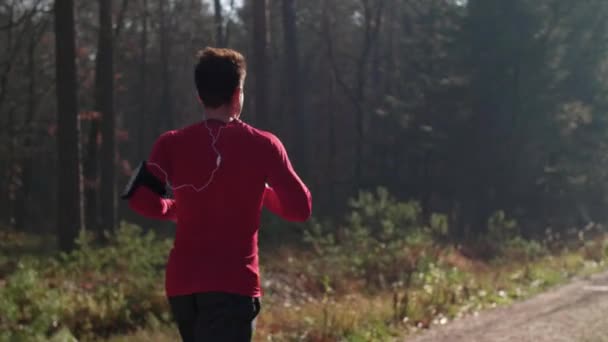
142,177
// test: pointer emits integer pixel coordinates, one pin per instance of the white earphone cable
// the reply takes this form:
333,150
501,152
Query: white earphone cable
218,162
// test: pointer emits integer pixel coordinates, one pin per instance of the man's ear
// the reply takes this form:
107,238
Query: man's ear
198,98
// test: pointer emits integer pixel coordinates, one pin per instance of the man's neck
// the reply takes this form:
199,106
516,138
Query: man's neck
221,114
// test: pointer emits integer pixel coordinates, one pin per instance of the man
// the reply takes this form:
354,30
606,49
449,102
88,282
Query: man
222,171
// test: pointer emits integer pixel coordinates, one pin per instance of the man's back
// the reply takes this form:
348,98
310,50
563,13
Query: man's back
219,171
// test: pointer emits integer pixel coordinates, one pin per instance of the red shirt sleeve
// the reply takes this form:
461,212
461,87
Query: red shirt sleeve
286,195
144,201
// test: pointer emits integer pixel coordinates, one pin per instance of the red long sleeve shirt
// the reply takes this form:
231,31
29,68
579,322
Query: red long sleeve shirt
216,240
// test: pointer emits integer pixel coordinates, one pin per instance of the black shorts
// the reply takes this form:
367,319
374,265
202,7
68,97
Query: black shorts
215,316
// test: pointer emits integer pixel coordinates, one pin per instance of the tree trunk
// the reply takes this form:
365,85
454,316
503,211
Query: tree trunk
22,195
105,104
166,106
228,25
91,176
69,181
219,24
332,145
143,111
292,75
260,63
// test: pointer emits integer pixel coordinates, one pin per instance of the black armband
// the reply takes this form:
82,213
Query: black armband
143,177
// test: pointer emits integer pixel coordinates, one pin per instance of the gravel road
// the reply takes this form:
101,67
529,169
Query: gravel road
574,312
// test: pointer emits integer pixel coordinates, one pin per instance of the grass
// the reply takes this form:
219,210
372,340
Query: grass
159,334
367,317
361,317
294,309
377,276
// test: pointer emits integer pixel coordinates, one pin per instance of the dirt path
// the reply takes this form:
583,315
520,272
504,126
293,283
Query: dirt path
575,312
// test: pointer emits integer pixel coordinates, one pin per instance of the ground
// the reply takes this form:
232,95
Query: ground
575,312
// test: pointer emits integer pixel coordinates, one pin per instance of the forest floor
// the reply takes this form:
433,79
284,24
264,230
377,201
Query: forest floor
574,312
114,292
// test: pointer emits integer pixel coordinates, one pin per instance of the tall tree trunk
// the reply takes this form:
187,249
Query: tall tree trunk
228,25
23,193
143,111
13,169
219,24
372,18
332,146
356,93
5,166
91,176
105,104
69,181
166,105
121,18
260,62
292,75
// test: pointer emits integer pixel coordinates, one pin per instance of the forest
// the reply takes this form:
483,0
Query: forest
456,120
468,107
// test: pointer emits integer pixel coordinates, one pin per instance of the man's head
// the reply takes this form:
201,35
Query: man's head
219,76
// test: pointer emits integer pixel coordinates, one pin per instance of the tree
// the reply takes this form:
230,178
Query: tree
292,85
104,76
220,41
26,161
292,78
369,14
166,103
142,86
468,107
69,181
260,62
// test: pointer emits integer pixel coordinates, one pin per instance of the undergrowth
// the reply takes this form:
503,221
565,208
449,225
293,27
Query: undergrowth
91,292
379,272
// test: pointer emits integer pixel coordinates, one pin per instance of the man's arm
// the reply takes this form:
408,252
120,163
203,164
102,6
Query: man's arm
271,201
146,200
286,195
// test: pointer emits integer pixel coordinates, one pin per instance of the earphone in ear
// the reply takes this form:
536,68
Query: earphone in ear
218,162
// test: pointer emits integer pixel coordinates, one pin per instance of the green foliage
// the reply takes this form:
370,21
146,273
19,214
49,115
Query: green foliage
381,241
506,242
129,250
27,310
519,248
383,244
501,228
374,332
435,290
382,249
92,291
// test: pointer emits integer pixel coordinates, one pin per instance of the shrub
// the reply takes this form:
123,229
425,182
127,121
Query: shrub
506,242
28,309
519,248
381,241
92,291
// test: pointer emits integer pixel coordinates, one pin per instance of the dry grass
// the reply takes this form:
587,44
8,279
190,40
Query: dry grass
167,334
325,320
292,313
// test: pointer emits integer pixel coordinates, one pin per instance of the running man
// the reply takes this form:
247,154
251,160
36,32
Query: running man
222,172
